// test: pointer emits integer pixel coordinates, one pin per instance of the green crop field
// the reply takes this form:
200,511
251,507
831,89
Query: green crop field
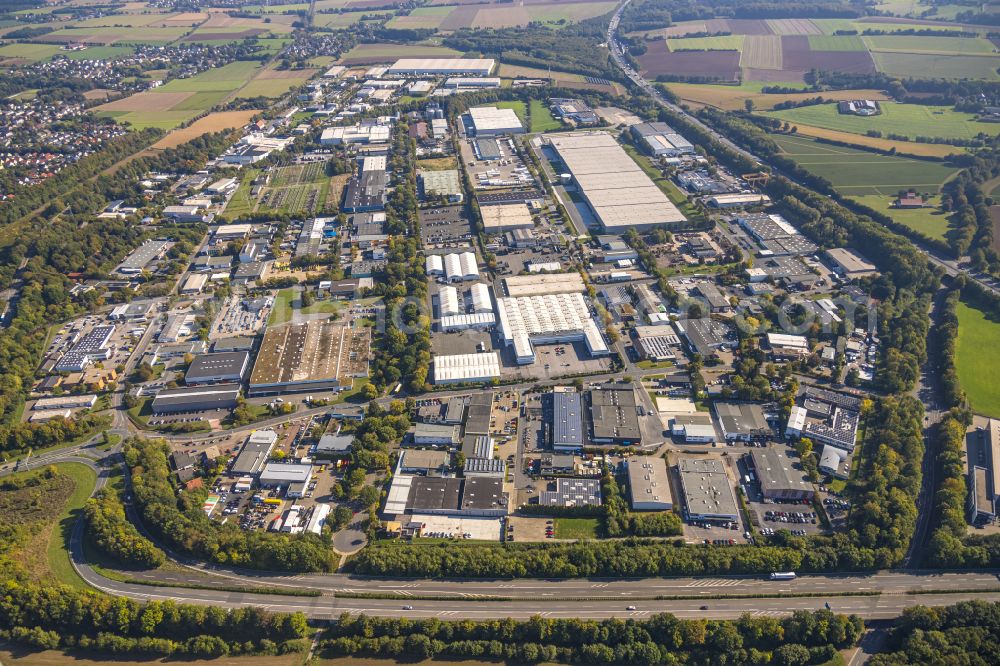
930,221
836,43
917,65
924,44
541,118
857,172
978,368
421,17
32,52
911,120
720,43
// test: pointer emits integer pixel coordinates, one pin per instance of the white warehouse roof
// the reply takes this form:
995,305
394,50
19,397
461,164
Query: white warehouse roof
481,301
494,120
448,301
434,264
549,317
599,164
466,368
477,66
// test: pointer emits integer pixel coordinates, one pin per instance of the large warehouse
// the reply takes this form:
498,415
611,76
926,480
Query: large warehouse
550,318
567,420
708,493
314,356
442,66
196,398
618,191
493,121
462,368
613,415
661,140
220,368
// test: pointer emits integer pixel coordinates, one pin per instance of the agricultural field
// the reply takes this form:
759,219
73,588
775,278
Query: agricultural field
213,122
275,82
422,17
22,53
784,50
910,120
977,371
911,148
931,220
344,20
856,172
108,35
182,99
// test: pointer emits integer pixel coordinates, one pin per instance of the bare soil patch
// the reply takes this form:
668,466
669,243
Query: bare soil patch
213,122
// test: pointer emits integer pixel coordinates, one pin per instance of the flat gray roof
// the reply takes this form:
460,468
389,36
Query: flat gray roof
777,471
707,490
567,418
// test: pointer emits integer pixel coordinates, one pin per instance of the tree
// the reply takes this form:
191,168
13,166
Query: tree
369,496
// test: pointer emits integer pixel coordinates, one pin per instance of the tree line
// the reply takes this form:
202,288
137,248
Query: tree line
115,536
61,617
178,520
965,633
802,638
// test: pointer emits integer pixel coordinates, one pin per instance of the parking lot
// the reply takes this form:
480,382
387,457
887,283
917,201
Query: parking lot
553,361
444,227
459,527
506,170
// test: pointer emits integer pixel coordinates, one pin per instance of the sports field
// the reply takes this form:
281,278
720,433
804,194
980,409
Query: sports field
911,120
977,365
930,220
857,172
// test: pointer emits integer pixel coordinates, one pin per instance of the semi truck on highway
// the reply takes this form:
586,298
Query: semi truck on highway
783,575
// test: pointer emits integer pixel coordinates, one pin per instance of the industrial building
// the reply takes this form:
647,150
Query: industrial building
708,493
784,346
196,399
573,111
984,472
460,266
835,462
91,347
505,217
779,476
567,420
359,134
661,140
479,413
472,82
441,67
466,368
494,121
286,475
435,495
254,454
613,415
849,264
311,356
142,256
463,322
445,183
194,283
696,428
547,319
426,463
775,236
217,368
334,446
648,484
531,285
704,336
738,200
619,192
656,343
493,467
65,402
366,192
742,421
572,492
436,434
